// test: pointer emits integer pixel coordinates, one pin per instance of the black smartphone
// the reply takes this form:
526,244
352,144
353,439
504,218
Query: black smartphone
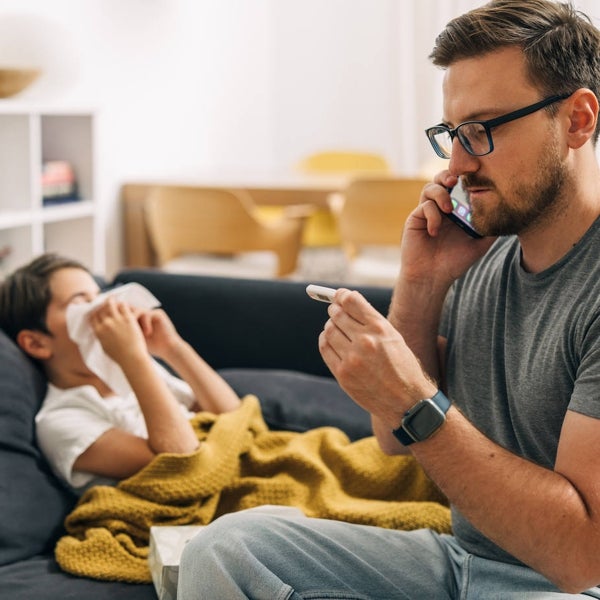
461,209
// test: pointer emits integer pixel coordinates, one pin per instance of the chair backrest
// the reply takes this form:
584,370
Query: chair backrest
344,162
322,228
373,211
183,220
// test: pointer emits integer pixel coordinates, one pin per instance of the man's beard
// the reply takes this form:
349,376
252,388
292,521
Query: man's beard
533,203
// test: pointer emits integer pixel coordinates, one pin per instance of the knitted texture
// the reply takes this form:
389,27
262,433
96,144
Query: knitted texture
241,464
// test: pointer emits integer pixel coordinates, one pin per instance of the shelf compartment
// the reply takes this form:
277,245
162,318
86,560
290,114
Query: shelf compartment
69,138
20,242
16,158
73,238
67,211
14,218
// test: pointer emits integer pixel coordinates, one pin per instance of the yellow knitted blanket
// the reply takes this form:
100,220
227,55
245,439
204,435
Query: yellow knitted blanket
241,464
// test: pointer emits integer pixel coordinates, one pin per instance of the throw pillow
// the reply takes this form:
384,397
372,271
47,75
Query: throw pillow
33,503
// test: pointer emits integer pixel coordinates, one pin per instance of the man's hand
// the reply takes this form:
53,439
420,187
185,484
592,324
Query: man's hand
371,360
433,247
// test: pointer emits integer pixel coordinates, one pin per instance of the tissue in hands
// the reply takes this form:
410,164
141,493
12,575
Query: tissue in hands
81,332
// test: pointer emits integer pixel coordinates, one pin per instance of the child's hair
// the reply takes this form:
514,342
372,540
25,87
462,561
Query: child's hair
25,294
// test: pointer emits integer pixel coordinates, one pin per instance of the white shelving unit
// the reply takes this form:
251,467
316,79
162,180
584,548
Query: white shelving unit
28,138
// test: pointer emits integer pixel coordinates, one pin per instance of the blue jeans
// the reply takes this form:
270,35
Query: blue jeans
261,556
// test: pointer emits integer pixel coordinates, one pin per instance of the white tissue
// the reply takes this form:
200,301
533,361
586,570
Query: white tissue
81,332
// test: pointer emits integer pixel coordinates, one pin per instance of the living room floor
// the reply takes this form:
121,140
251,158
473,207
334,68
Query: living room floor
329,264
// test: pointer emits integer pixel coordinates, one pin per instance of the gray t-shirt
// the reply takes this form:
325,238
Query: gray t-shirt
522,350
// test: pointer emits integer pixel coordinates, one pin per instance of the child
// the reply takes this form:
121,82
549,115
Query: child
87,432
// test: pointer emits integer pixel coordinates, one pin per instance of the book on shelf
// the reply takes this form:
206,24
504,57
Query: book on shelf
59,183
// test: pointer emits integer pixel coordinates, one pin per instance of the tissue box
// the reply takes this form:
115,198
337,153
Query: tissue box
166,546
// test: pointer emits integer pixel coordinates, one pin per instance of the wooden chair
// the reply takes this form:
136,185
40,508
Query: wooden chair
342,161
321,229
371,214
206,230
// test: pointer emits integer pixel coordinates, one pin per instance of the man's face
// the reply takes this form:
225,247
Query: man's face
66,286
519,185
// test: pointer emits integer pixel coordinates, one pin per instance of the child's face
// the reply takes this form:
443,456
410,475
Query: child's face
66,286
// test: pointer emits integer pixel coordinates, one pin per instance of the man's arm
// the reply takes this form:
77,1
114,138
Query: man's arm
386,439
435,252
548,519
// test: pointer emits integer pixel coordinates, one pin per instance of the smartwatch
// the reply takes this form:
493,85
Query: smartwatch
423,419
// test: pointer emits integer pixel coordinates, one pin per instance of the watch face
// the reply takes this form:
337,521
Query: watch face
424,421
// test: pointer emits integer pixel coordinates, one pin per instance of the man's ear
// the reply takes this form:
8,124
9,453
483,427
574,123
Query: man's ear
583,117
34,343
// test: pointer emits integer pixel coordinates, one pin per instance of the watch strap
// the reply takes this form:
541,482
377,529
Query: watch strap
440,400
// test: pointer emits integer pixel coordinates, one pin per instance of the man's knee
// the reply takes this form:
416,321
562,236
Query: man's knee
226,536
234,557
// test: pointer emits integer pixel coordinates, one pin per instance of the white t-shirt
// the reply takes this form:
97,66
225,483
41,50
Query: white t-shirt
71,420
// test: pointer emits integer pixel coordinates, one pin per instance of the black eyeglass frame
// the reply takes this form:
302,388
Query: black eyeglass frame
488,125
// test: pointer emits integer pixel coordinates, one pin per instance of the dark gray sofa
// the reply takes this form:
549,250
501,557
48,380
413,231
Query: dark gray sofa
262,337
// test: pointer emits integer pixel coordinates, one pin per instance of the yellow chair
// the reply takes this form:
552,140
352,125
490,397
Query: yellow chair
321,229
344,162
216,231
370,215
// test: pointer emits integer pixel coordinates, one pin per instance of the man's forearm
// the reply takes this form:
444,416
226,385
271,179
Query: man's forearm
415,312
534,513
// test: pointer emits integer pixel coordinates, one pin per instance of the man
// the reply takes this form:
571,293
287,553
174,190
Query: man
508,327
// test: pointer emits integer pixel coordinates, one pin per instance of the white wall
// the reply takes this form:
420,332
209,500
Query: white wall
196,85
178,84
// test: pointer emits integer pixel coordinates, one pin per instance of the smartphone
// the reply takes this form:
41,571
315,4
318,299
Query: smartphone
461,209
320,292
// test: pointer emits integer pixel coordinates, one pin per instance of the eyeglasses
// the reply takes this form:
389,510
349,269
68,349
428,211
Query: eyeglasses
476,136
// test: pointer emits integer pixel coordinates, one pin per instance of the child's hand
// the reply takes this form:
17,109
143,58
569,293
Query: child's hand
116,327
159,332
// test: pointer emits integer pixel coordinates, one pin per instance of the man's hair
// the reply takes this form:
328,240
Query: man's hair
560,44
25,294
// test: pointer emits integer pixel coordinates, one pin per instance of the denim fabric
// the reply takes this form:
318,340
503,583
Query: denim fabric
261,556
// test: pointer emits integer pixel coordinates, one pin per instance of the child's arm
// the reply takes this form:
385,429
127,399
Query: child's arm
116,326
212,392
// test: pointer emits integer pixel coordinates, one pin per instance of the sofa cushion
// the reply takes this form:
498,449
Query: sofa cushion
33,503
40,578
295,401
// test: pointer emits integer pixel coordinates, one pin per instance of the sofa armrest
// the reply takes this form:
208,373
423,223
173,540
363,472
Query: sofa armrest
233,323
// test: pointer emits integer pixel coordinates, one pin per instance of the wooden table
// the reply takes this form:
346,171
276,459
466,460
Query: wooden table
279,189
